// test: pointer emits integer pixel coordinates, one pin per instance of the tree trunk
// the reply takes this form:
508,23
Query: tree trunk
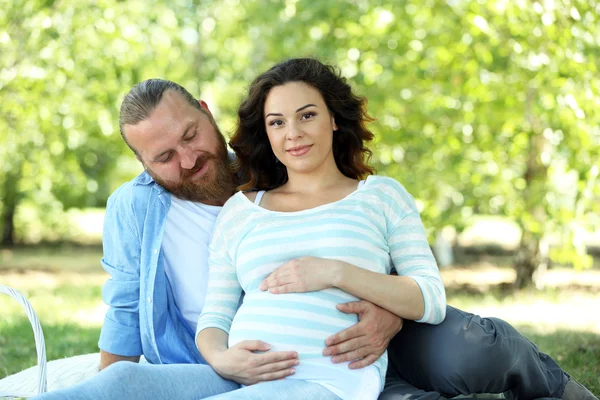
531,259
8,226
9,208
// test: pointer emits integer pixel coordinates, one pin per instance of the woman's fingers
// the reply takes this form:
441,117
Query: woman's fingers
276,367
272,376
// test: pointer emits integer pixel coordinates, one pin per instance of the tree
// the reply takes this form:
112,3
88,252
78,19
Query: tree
481,107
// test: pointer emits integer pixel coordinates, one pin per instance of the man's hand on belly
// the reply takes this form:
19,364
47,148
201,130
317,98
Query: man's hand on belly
241,364
366,341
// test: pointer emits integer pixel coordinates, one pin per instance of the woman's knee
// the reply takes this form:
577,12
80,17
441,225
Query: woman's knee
123,371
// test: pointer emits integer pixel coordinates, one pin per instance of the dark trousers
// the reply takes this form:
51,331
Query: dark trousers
468,354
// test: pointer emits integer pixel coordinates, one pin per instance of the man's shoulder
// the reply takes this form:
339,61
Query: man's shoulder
135,193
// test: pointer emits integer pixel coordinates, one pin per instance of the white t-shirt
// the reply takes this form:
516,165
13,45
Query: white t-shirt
188,229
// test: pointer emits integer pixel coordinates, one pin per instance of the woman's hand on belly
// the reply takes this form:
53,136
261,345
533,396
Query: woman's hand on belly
241,363
304,274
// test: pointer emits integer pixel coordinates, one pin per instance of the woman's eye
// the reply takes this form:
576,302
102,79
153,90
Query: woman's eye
276,122
308,115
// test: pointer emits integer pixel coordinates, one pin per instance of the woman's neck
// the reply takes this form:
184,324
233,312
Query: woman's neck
316,181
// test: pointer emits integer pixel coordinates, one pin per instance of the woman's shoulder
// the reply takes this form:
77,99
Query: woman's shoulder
236,215
391,192
385,183
236,204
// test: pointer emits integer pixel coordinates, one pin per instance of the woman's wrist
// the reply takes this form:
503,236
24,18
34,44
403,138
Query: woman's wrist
209,346
338,273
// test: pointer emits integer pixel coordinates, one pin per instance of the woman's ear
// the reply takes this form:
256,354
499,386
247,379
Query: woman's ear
335,127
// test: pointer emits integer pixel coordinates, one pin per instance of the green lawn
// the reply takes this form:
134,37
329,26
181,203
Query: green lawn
64,287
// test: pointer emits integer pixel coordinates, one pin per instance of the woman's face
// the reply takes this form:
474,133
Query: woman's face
300,127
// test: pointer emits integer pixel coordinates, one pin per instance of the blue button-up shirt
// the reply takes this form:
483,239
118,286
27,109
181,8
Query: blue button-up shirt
142,318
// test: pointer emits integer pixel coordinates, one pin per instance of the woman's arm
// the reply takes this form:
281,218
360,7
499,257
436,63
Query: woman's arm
400,295
212,342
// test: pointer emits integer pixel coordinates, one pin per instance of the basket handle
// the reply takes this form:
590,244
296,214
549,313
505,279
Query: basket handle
38,334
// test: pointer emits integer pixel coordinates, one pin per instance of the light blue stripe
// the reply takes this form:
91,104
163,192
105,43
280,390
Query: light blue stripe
328,219
334,233
292,305
221,303
330,252
225,290
288,322
290,339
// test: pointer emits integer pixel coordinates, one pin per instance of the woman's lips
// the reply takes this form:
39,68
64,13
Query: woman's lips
299,151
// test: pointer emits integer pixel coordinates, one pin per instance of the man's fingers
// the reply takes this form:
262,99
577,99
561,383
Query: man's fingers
364,362
344,347
353,332
353,307
352,355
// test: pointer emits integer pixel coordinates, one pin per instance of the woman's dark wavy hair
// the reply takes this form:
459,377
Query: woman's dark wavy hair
256,164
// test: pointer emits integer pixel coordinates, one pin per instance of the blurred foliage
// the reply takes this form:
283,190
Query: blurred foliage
482,107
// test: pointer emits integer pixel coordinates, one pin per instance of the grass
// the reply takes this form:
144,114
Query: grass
64,287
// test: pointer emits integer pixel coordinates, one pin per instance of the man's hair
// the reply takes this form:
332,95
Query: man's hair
143,98
256,164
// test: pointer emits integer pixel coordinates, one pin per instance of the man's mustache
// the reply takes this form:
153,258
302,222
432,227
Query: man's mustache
200,161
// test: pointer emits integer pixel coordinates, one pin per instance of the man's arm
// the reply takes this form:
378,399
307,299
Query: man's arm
107,359
120,337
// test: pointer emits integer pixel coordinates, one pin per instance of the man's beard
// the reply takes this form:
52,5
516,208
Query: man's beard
214,187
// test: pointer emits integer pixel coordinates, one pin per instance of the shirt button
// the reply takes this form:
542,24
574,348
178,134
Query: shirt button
149,299
155,251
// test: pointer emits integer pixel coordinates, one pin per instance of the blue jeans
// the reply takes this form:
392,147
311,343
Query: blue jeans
127,380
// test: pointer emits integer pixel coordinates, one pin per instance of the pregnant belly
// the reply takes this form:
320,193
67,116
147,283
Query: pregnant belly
296,321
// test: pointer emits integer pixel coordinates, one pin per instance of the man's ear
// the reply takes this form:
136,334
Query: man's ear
205,106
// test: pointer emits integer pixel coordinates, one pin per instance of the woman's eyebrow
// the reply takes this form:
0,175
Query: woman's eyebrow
297,111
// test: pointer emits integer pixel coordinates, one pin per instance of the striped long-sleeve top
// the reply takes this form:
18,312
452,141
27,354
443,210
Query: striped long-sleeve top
377,227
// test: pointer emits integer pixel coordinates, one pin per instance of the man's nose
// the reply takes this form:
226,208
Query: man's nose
188,159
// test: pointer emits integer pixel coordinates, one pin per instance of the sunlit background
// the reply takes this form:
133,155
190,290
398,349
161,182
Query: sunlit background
486,111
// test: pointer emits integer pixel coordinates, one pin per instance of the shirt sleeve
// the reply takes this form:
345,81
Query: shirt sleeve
410,251
412,257
120,332
224,290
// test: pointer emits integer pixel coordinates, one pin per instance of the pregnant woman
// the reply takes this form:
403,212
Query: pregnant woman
320,231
